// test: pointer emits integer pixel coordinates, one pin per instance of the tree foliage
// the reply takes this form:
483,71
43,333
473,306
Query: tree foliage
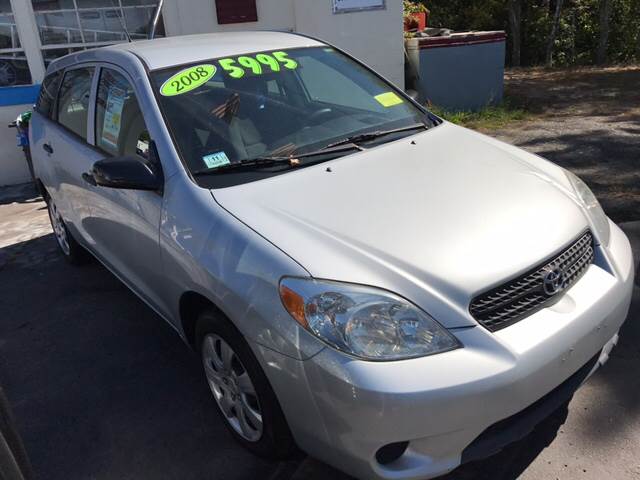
586,31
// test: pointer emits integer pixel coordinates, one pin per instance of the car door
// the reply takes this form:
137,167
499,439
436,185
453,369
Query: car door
40,130
124,224
66,150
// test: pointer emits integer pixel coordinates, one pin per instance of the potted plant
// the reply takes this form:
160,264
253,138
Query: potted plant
415,15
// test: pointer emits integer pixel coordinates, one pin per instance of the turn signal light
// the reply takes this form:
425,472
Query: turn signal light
294,304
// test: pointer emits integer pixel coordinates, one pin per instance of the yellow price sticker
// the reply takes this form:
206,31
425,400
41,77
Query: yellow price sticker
188,79
388,99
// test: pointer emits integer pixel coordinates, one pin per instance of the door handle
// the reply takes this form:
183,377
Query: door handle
47,148
87,177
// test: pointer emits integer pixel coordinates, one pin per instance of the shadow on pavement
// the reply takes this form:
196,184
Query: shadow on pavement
14,462
101,387
587,91
23,193
593,157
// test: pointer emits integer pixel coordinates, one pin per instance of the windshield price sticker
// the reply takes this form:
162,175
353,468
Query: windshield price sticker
113,117
388,99
257,64
188,79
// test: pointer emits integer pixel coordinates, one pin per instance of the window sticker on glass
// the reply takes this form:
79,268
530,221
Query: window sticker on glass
257,64
388,99
142,148
214,160
188,79
113,117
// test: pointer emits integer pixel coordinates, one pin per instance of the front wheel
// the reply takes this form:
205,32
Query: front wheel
241,390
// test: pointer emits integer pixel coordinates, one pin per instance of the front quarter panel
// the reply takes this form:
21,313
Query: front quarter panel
208,251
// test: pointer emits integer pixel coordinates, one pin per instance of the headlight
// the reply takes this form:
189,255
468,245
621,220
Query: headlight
363,321
590,202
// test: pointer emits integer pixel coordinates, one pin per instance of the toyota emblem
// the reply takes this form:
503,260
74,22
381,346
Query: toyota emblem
554,280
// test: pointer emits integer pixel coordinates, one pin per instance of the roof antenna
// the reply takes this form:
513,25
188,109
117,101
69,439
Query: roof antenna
154,21
122,22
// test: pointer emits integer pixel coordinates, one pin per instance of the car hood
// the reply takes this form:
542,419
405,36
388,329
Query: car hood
437,217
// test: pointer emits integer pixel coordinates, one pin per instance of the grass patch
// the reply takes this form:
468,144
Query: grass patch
489,118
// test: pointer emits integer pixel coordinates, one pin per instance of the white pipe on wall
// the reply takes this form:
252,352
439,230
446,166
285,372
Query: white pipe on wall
29,37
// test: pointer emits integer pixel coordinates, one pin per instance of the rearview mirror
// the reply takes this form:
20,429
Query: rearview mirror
130,173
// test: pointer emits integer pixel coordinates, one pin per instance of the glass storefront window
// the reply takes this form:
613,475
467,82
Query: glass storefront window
58,27
92,21
8,33
66,26
14,69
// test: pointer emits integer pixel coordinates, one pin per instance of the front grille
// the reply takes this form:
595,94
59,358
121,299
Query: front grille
523,296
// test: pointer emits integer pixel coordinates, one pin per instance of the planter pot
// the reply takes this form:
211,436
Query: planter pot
416,21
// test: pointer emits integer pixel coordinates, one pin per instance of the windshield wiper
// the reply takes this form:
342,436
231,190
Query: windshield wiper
248,164
363,137
292,160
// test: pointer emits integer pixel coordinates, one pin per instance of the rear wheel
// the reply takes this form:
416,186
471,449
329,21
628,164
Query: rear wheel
71,250
241,390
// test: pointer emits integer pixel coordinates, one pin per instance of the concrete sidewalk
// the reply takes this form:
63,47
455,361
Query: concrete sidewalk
103,389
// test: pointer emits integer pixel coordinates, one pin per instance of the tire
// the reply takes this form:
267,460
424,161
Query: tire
232,394
72,251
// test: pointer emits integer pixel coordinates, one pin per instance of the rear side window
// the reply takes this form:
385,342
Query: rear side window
120,127
73,100
47,97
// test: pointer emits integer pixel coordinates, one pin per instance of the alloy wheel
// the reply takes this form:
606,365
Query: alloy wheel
59,229
232,388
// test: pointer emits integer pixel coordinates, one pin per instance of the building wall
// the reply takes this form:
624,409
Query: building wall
200,17
375,36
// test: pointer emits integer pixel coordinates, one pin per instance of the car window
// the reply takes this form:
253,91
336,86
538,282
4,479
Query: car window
273,88
48,92
120,127
73,100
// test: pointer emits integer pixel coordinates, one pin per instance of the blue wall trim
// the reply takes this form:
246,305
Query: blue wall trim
21,95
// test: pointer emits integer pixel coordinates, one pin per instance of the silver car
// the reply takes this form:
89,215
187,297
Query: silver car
391,293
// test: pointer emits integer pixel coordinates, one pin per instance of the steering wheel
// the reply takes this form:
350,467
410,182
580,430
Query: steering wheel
323,112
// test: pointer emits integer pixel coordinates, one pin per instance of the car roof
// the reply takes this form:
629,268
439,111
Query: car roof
170,51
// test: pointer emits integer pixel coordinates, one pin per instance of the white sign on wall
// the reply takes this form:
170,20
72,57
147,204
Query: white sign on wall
342,6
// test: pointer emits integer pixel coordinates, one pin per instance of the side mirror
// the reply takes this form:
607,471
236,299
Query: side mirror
130,173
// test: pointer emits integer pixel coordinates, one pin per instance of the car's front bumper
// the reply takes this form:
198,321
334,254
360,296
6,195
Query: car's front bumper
343,410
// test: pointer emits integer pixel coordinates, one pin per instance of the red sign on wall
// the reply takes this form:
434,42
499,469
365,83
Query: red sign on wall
236,11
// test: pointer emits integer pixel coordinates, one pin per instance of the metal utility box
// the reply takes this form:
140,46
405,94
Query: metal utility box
461,71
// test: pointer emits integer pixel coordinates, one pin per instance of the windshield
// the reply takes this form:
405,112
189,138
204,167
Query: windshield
277,104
